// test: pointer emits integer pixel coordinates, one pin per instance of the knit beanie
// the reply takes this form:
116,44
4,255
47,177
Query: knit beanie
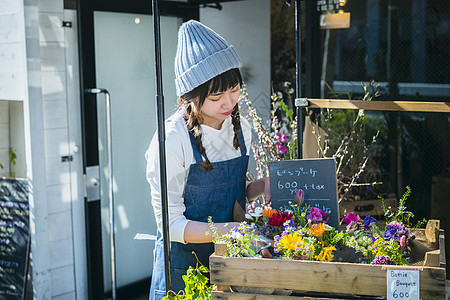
202,54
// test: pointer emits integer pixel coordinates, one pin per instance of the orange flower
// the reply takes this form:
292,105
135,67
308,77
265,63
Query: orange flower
268,212
317,229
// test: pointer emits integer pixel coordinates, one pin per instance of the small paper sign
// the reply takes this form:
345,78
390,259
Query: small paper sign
403,284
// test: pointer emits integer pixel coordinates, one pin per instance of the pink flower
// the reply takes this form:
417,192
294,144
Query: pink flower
282,149
317,215
351,219
299,197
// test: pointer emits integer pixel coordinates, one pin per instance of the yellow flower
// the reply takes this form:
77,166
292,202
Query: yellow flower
291,241
378,244
317,229
325,254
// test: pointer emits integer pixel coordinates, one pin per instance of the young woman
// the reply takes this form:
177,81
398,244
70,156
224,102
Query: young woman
207,146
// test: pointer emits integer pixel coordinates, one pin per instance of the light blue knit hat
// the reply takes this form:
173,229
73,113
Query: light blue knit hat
202,54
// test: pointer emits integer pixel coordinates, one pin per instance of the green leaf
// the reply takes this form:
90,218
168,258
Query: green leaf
203,269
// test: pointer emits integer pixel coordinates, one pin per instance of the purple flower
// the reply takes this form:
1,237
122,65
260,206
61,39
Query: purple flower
351,218
317,215
282,149
368,220
288,224
395,230
299,197
382,260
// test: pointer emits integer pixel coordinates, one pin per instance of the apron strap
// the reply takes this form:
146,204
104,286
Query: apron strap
197,155
242,142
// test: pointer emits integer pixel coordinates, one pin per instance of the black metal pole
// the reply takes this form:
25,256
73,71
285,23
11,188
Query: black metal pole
299,102
162,143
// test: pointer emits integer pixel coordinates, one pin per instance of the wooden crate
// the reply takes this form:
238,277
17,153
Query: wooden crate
277,279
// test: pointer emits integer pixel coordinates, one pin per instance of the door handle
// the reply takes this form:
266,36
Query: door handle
92,183
96,185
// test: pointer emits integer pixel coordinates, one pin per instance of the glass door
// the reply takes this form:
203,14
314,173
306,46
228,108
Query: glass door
124,61
117,56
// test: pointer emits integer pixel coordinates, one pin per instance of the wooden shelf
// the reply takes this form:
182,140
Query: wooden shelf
415,106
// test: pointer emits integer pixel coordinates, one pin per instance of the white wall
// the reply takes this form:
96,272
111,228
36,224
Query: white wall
4,138
12,51
246,25
34,77
12,83
35,154
62,134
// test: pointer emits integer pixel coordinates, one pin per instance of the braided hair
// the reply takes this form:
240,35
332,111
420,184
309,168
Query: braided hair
193,102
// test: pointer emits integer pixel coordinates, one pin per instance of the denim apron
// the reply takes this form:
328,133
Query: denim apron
207,193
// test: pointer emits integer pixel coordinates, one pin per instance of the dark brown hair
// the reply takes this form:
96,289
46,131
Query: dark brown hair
193,102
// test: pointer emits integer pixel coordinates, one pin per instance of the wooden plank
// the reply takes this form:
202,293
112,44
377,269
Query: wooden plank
220,249
381,105
244,296
443,262
341,278
432,232
432,258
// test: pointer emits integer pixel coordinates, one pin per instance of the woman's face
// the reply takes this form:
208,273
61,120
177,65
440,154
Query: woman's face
218,106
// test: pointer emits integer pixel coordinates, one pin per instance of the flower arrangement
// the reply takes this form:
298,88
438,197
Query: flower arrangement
296,232
314,240
300,232
378,246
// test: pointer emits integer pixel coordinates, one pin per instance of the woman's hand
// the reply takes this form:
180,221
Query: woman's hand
195,232
258,188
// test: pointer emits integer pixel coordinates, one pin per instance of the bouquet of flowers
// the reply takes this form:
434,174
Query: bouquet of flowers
315,240
378,246
296,232
299,232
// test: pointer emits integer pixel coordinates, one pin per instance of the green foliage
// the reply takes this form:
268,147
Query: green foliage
197,286
390,248
238,240
401,215
299,212
12,162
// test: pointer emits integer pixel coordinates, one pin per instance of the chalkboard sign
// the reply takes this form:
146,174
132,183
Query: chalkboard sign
14,237
316,177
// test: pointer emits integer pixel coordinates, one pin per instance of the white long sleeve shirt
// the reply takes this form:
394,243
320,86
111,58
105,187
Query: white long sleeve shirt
179,157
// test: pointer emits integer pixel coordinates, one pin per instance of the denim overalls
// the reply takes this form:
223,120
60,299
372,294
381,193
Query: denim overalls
207,193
